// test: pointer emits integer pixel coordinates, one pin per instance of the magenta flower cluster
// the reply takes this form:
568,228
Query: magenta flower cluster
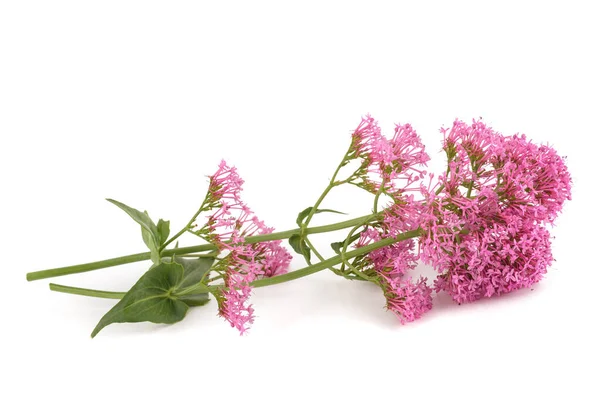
486,218
482,223
244,263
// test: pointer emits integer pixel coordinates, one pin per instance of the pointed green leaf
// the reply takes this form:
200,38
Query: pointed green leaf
337,246
300,246
304,213
163,228
153,236
149,230
141,218
150,241
150,299
155,298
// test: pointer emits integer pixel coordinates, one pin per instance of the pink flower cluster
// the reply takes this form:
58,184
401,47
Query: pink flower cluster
228,228
485,218
406,299
394,164
483,222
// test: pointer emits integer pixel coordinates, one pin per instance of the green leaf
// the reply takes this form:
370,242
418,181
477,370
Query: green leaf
338,246
150,232
193,270
155,298
299,245
304,213
163,228
150,299
151,243
149,238
141,218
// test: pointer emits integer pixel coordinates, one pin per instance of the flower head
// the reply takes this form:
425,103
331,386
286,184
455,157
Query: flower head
388,165
495,260
228,227
533,181
233,301
408,300
396,259
225,184
484,220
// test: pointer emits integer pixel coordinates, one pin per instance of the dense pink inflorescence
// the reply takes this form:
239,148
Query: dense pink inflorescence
395,260
225,184
228,227
395,163
234,306
394,167
485,220
494,260
535,182
408,300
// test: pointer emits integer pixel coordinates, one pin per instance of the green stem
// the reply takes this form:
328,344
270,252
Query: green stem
86,292
330,262
319,256
185,229
299,273
344,255
470,189
332,184
212,254
376,200
76,269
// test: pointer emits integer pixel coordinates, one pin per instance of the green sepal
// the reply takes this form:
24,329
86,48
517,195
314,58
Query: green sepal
154,297
300,246
304,213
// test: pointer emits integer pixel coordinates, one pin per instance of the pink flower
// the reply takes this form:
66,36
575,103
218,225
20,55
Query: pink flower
365,136
233,221
228,227
392,163
529,180
484,220
534,181
408,300
225,183
493,261
396,259
389,264
233,305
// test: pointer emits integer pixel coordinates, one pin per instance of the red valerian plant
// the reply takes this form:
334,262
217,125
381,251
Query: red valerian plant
482,225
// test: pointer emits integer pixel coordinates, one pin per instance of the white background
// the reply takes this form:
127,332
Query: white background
139,101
